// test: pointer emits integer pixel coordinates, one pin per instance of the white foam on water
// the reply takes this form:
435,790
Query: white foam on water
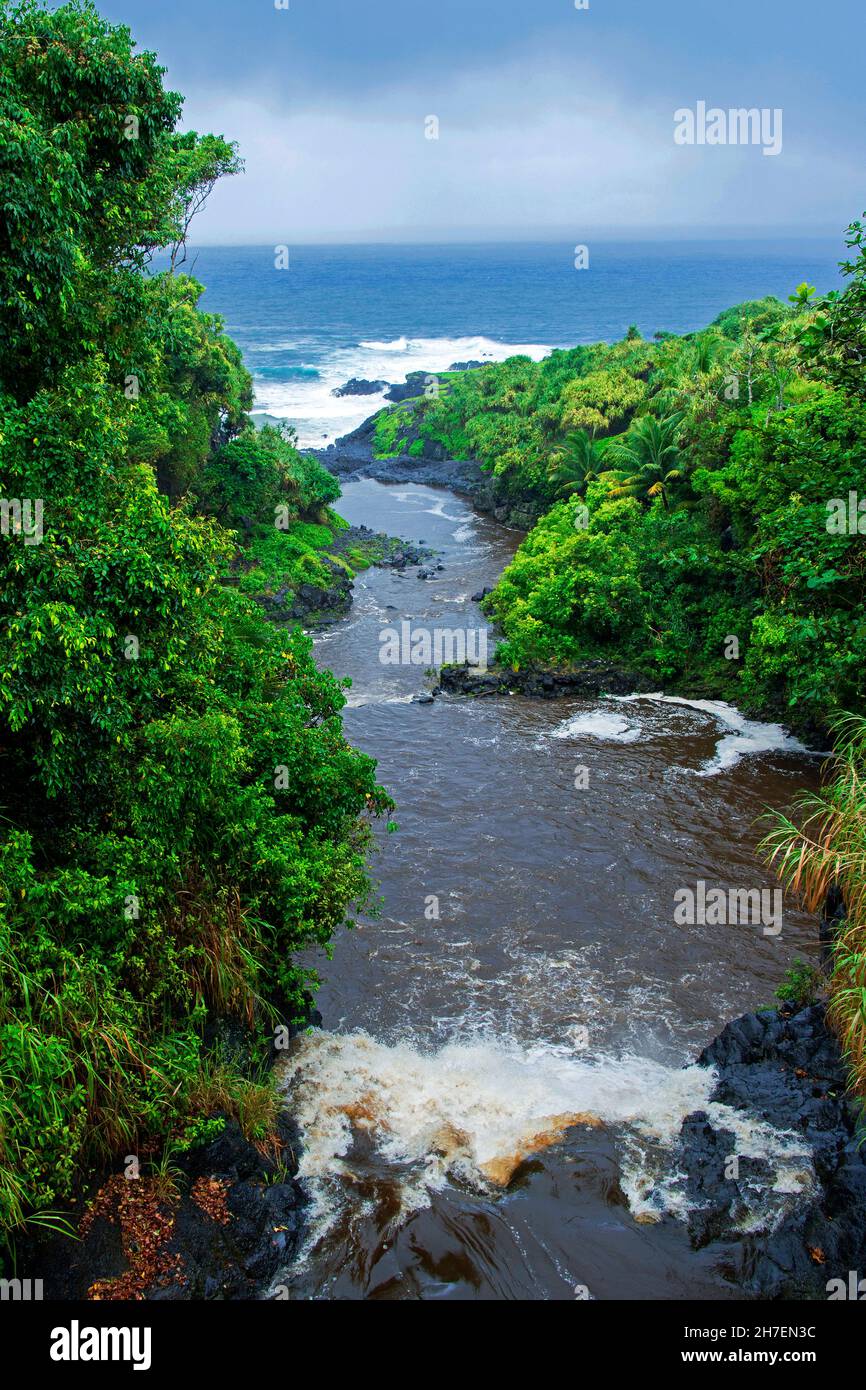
747,738
308,402
448,350
652,1193
359,700
469,1111
598,723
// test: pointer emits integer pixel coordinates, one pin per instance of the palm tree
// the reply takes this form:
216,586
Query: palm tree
708,349
650,456
575,463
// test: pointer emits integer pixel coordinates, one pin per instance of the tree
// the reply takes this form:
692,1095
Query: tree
575,463
181,812
709,349
651,459
95,178
836,338
201,162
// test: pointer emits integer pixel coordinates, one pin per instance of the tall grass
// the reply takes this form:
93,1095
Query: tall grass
822,843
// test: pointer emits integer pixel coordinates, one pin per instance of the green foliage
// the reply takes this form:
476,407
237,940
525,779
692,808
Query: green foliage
821,846
734,441
180,812
95,178
650,458
575,463
389,435
803,984
259,478
836,331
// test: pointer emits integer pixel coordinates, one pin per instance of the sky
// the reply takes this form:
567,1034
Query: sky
552,120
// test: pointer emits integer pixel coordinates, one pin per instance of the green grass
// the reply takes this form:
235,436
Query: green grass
822,844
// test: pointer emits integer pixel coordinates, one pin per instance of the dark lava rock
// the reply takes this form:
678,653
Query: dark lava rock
465,366
351,456
482,594
588,681
311,604
357,386
231,1252
785,1070
414,385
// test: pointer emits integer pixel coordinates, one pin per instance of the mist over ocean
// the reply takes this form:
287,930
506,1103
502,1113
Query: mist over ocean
378,312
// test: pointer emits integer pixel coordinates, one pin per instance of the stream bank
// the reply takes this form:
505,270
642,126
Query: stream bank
351,456
501,1102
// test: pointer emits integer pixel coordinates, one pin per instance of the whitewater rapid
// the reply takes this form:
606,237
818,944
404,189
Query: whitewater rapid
304,394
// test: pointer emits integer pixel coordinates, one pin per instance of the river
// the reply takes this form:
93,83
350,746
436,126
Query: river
491,1108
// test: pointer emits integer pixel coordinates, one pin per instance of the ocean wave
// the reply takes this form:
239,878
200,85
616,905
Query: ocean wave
278,373
459,349
303,393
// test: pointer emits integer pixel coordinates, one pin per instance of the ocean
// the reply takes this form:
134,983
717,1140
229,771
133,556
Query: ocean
378,312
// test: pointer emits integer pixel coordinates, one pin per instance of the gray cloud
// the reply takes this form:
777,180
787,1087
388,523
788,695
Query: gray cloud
530,146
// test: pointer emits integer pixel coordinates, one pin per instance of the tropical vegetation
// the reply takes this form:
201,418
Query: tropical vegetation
180,811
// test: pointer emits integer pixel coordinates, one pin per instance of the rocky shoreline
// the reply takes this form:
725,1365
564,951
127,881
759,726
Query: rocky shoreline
786,1069
316,605
587,681
351,456
238,1215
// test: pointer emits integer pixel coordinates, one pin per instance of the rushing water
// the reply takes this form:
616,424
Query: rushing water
490,1109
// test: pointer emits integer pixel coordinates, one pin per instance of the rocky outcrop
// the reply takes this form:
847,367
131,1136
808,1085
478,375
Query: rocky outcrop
311,604
413,386
351,456
358,386
316,605
232,1219
588,681
786,1070
218,1222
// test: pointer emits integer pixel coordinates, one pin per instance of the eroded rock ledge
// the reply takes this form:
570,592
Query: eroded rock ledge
786,1070
589,680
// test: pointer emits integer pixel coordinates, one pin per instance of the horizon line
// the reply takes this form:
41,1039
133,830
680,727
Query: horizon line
697,235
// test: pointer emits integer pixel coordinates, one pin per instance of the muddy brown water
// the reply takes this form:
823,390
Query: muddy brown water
491,1108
